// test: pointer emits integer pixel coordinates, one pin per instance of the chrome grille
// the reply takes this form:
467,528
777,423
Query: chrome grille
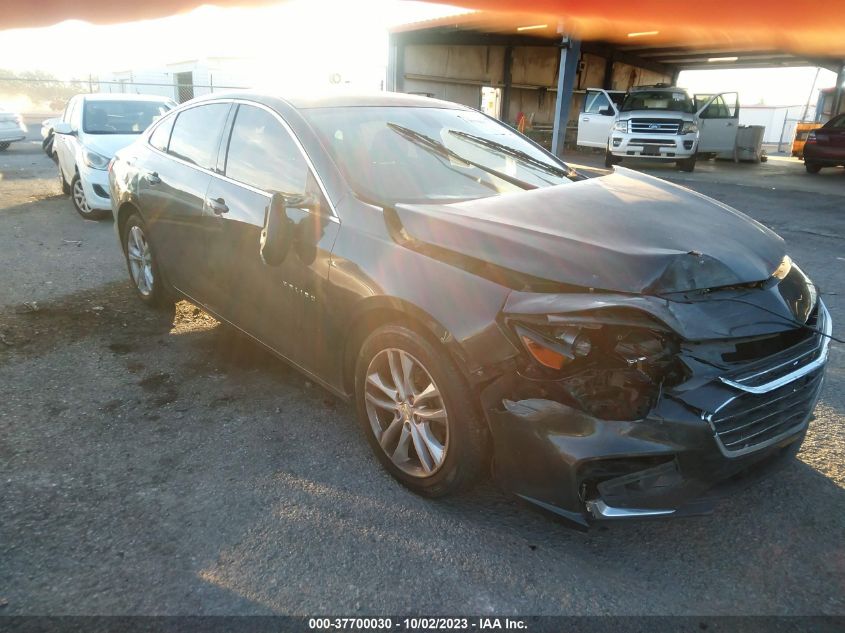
660,142
778,369
655,126
753,421
776,395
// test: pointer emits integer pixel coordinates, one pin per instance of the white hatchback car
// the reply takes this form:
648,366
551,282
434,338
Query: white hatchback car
92,128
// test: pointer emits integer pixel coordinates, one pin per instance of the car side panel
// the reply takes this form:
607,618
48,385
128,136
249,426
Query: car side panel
370,271
173,211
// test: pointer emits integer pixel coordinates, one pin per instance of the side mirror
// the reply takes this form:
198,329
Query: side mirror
63,127
606,111
277,234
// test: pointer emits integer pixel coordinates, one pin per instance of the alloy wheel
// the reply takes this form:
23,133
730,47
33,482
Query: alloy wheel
79,197
406,412
140,260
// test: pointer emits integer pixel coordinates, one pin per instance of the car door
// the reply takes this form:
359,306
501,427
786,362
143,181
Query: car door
717,122
173,180
597,115
270,302
65,144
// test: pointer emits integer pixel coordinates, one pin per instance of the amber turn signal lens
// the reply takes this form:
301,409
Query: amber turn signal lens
543,355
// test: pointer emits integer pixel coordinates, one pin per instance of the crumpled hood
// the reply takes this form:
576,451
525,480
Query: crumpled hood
108,144
625,232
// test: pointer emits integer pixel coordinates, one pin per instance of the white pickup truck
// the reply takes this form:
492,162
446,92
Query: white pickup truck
658,122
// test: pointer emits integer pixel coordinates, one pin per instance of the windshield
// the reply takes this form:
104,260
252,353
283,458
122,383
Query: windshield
121,117
663,100
408,154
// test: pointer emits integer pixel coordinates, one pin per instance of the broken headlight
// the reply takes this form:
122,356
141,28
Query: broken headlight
612,366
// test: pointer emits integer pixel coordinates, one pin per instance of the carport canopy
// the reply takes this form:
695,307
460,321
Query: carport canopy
588,53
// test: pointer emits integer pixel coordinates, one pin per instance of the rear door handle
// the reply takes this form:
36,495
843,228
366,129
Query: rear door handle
153,178
218,205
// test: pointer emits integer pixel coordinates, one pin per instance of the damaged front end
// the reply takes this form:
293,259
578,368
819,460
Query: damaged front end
638,405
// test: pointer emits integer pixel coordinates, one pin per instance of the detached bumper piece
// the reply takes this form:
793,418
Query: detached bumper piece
697,439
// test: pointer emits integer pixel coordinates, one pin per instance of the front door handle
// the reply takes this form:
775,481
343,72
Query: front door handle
153,178
217,205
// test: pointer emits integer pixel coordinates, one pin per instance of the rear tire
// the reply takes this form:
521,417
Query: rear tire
4,146
812,168
687,164
80,203
408,394
150,286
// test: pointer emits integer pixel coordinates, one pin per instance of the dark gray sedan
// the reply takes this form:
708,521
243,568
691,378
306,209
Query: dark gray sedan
613,347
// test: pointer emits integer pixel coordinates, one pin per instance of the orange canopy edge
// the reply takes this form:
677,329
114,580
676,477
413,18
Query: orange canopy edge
810,27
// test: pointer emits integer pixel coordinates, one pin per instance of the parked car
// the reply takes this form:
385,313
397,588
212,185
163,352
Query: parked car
92,128
825,147
618,345
658,122
12,128
47,130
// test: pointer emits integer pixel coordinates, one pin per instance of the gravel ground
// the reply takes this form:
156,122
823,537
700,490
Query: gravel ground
150,469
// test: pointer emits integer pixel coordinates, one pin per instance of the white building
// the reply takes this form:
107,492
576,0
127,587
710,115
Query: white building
183,80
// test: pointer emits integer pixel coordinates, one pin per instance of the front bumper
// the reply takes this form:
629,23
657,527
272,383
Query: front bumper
95,183
666,146
670,463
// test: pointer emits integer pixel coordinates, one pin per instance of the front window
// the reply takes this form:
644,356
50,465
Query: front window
660,100
411,154
120,117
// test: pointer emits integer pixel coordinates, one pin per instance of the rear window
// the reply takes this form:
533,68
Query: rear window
196,134
161,135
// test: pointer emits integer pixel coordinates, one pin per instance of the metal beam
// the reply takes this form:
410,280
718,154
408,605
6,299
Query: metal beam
466,37
608,50
570,52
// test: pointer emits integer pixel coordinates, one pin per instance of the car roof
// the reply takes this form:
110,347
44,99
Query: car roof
341,100
122,96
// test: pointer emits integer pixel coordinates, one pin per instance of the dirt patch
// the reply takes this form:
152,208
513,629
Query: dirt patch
33,328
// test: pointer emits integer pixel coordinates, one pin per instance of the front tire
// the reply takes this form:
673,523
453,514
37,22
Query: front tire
143,268
687,164
4,146
812,168
80,202
610,160
418,413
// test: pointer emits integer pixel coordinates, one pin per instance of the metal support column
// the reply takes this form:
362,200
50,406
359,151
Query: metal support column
396,63
675,74
837,94
607,81
506,90
570,52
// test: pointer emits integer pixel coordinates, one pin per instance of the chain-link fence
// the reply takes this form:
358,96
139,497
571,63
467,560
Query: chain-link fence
41,93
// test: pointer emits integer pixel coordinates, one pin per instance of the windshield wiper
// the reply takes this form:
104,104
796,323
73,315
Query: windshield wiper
516,153
426,142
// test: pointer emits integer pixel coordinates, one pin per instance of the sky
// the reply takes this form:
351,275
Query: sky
299,43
